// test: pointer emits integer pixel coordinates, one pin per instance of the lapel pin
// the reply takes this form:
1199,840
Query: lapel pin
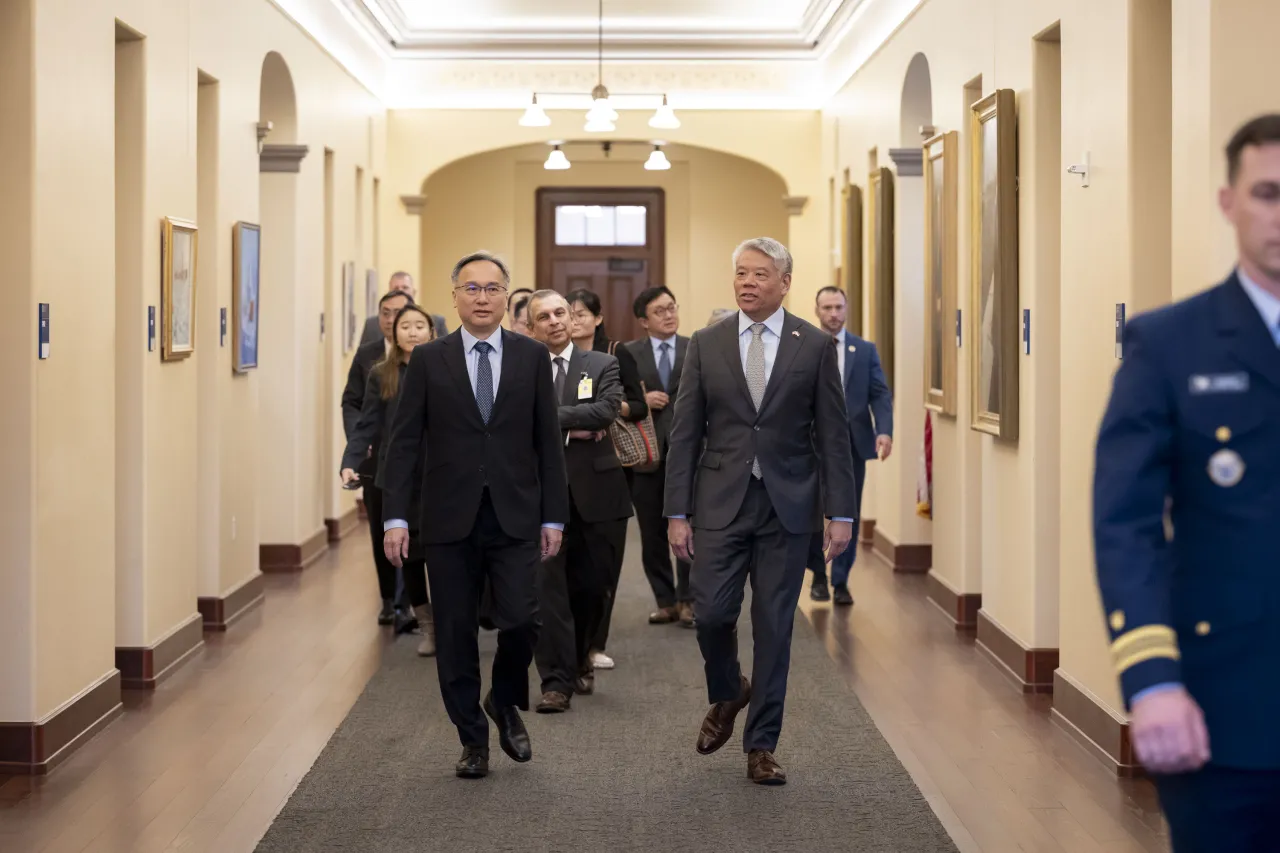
795,332
852,348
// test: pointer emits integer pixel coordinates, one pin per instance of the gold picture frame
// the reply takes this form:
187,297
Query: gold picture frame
851,253
880,245
993,308
941,236
178,257
246,252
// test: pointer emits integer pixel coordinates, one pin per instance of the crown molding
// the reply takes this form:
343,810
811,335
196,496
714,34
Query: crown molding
413,204
910,161
281,158
795,204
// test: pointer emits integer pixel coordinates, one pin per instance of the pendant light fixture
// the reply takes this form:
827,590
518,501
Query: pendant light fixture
665,117
657,161
556,160
534,115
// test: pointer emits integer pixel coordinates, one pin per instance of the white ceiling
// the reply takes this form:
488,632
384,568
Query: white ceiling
619,15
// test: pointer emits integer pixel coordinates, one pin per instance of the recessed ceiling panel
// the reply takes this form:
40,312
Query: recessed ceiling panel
695,16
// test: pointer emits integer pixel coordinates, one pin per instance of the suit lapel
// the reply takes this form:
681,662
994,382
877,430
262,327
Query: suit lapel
455,357
508,378
648,365
729,347
572,371
788,346
1250,341
850,353
682,346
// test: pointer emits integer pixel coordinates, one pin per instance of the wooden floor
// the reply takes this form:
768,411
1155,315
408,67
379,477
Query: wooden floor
207,760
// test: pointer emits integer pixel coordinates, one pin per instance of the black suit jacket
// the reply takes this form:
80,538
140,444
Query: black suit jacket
642,350
597,483
371,430
801,427
365,358
518,453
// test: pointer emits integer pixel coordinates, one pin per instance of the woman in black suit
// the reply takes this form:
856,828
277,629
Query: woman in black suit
586,324
413,326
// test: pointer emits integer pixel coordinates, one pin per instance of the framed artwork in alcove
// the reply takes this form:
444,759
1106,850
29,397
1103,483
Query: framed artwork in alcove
941,173
994,245
246,251
177,289
851,253
880,243
349,318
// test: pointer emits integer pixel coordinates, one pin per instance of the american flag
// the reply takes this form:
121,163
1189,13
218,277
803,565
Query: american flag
924,482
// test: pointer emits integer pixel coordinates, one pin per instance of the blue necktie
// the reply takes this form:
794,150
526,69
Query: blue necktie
484,380
664,366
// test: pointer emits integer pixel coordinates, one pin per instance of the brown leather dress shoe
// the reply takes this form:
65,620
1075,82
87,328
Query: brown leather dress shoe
553,702
664,616
717,726
585,684
685,609
763,769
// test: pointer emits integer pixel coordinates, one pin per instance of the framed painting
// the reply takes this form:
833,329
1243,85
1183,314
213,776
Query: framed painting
850,272
177,289
879,329
349,319
993,309
940,269
246,254
370,293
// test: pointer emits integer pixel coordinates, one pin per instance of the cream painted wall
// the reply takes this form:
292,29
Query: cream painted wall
419,142
713,202
60,544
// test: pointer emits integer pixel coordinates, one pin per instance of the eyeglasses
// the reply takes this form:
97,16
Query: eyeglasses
666,311
490,290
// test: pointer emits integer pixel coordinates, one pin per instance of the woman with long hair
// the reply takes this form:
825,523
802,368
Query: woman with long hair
413,326
586,326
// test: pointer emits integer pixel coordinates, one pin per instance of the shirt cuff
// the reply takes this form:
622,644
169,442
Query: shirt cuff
681,517
394,523
1155,688
552,525
845,520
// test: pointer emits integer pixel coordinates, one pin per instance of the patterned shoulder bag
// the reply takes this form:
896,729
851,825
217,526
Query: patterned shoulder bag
636,443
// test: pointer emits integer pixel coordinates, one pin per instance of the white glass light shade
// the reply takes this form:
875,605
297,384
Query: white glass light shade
657,161
556,160
534,116
598,124
664,118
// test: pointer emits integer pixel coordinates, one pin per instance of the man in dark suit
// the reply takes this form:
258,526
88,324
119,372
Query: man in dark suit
573,588
400,282
660,357
480,405
365,358
870,406
759,452
1191,437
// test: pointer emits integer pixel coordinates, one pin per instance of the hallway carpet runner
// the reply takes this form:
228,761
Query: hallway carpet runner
618,772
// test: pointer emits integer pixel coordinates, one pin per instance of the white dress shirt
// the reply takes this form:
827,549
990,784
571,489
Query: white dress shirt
1268,305
841,345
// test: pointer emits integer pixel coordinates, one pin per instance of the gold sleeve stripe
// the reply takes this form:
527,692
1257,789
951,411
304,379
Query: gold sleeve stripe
1142,644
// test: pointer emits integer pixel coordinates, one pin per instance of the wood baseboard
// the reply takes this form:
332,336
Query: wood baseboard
1030,669
293,558
142,668
961,608
340,527
902,558
218,612
33,749
361,510
1094,726
866,530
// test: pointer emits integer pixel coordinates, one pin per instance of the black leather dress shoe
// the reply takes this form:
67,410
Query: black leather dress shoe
513,737
387,614
818,590
474,763
842,596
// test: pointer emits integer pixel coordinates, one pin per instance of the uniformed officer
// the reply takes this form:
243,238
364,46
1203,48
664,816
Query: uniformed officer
1193,605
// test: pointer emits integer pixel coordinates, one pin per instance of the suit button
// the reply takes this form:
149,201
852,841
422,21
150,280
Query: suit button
481,469
1202,628
486,435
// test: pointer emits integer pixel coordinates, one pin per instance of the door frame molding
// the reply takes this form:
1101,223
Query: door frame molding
654,251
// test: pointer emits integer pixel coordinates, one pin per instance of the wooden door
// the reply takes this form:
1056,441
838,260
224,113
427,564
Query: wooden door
609,241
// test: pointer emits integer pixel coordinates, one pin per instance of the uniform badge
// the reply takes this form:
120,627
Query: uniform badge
1226,468
584,388
1218,383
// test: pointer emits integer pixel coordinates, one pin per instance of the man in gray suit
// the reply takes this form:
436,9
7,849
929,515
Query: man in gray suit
760,410
870,405
402,282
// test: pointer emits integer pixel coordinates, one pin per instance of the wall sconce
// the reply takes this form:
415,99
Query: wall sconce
264,127
1082,170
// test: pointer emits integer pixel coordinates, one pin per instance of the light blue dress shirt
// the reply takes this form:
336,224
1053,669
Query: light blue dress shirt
771,337
1269,307
469,342
657,343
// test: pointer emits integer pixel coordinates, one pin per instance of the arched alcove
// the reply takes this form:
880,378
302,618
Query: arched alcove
917,102
277,102
712,201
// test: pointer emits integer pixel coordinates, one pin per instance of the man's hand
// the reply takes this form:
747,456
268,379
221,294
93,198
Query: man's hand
395,544
550,542
836,538
349,476
1169,734
680,535
657,400
586,434
884,446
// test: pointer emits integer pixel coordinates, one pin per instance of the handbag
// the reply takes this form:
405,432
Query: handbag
636,443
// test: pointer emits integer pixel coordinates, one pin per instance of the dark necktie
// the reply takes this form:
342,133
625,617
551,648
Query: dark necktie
664,366
559,378
484,380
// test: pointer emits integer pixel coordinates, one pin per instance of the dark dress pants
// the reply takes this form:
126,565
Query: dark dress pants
754,546
601,640
843,564
386,571
458,571
1221,810
647,494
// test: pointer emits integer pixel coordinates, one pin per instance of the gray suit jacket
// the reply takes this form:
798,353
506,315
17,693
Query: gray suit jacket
801,427
372,332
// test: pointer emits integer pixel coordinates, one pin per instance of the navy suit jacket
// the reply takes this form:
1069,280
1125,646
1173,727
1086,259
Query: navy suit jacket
1194,425
866,395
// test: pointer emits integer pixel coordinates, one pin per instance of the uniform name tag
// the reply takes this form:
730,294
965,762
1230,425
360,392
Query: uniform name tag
1219,383
584,388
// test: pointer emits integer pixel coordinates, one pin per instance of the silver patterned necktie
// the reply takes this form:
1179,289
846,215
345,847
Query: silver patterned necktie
755,378
484,380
